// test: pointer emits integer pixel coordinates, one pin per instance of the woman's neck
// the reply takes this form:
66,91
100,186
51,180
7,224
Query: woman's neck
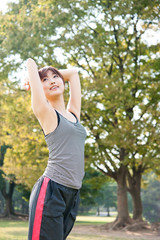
58,104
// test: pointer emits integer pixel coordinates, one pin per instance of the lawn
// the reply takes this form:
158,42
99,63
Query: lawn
13,230
87,220
17,230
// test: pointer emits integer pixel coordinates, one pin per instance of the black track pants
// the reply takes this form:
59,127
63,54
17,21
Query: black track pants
52,210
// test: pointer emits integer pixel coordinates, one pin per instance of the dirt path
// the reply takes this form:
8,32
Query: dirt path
98,230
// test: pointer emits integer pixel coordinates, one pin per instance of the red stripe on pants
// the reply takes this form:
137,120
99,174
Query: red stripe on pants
39,210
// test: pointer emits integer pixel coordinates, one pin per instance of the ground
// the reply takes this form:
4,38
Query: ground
86,228
101,233
94,228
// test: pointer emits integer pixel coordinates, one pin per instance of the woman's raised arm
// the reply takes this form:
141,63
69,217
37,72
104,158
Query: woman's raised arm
74,103
38,98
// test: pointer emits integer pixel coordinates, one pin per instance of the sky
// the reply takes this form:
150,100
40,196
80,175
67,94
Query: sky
3,6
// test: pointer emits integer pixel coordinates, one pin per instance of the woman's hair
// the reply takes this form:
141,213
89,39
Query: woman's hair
43,72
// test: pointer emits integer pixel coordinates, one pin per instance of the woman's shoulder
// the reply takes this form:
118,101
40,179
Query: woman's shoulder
48,119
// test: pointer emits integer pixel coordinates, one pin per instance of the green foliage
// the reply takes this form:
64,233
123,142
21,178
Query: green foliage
97,191
92,184
26,158
23,192
21,199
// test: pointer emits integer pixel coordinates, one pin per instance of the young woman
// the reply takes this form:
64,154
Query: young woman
54,198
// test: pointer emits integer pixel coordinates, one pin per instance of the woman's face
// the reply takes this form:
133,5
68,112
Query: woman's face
53,85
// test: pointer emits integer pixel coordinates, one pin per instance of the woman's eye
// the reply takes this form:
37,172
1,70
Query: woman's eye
55,76
44,79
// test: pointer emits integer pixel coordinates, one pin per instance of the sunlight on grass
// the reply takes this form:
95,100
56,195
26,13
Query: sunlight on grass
13,230
18,230
93,220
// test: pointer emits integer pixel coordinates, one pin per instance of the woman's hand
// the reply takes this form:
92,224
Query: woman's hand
31,66
31,63
68,74
26,84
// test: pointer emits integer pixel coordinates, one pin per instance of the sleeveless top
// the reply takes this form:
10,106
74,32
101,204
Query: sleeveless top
66,153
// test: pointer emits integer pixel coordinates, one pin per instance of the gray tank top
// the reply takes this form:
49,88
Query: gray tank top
66,153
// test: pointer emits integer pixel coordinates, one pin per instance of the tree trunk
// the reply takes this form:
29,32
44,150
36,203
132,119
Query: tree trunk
135,191
9,211
108,212
122,202
98,211
137,205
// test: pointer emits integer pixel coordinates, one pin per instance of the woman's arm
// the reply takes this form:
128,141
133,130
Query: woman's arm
38,98
74,103
42,110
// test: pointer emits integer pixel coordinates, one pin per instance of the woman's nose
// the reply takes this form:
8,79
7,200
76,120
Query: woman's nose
52,81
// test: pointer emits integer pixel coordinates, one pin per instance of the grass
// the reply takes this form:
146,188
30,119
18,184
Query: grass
18,230
94,220
13,230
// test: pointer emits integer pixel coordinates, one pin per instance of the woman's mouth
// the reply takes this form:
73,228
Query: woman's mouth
54,87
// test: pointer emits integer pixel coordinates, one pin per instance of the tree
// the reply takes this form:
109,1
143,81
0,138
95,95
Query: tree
7,183
105,39
150,198
97,191
92,183
26,159
107,196
6,186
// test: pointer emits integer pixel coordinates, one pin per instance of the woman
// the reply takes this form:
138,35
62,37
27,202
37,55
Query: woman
54,198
